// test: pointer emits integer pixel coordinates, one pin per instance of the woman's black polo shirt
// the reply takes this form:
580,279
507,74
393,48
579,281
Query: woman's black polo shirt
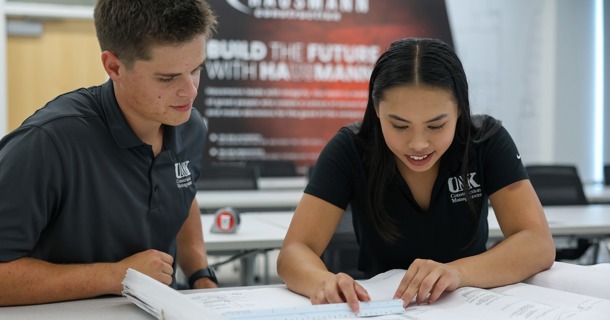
78,186
443,232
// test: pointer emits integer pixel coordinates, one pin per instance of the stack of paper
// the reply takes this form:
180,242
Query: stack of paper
162,301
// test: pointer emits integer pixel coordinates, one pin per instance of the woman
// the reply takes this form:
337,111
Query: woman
418,173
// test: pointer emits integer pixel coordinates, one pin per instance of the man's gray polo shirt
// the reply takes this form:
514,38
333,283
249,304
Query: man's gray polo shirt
78,186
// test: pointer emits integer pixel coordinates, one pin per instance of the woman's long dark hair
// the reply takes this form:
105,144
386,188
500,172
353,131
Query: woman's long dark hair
428,62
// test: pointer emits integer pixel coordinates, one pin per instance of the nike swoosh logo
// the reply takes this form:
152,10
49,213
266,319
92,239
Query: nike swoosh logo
518,156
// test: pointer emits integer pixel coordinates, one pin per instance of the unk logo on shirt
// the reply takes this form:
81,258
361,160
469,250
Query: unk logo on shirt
182,169
456,187
183,174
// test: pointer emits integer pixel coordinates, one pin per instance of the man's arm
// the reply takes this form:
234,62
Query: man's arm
32,281
192,255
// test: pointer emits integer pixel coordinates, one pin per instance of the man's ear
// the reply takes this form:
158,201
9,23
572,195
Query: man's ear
112,64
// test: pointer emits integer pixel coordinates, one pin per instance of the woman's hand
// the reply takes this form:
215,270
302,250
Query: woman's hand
426,280
339,288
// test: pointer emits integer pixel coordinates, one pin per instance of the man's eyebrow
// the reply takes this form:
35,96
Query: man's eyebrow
168,75
439,117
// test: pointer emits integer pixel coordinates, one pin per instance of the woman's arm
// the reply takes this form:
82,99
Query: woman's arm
299,263
528,246
527,249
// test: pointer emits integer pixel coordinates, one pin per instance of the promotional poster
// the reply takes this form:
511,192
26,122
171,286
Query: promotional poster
281,77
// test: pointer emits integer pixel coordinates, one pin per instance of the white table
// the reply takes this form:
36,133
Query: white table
263,199
111,308
589,221
277,193
294,183
257,233
267,229
583,221
597,193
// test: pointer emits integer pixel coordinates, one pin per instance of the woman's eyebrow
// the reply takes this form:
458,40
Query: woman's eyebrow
439,117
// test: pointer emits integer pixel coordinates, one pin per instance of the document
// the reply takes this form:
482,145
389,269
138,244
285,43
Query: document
593,280
544,296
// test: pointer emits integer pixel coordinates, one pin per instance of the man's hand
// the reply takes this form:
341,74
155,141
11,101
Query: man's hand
153,263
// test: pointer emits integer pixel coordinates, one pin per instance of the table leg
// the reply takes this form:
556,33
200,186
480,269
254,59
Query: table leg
247,269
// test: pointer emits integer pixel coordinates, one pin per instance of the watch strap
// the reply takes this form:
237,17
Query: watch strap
202,273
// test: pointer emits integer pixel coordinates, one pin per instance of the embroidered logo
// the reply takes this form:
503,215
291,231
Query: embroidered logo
183,174
182,169
456,187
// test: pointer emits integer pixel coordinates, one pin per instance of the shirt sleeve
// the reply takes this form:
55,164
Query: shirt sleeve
333,177
501,161
30,185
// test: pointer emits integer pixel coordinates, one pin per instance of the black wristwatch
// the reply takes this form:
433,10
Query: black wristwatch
201,273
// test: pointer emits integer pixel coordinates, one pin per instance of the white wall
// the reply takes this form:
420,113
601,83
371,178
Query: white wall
531,64
575,94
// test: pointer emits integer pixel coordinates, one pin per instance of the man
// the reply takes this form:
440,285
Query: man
102,179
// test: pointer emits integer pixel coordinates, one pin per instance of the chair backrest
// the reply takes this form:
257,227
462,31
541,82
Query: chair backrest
227,178
557,184
341,253
607,174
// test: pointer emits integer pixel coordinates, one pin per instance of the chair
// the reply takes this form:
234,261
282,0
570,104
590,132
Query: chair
341,254
560,185
227,177
557,185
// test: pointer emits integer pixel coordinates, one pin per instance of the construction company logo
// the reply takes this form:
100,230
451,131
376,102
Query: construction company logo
183,174
456,188
315,10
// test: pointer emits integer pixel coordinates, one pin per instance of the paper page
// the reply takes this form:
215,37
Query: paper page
574,304
589,280
380,287
384,285
518,301
249,299
259,299
475,303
